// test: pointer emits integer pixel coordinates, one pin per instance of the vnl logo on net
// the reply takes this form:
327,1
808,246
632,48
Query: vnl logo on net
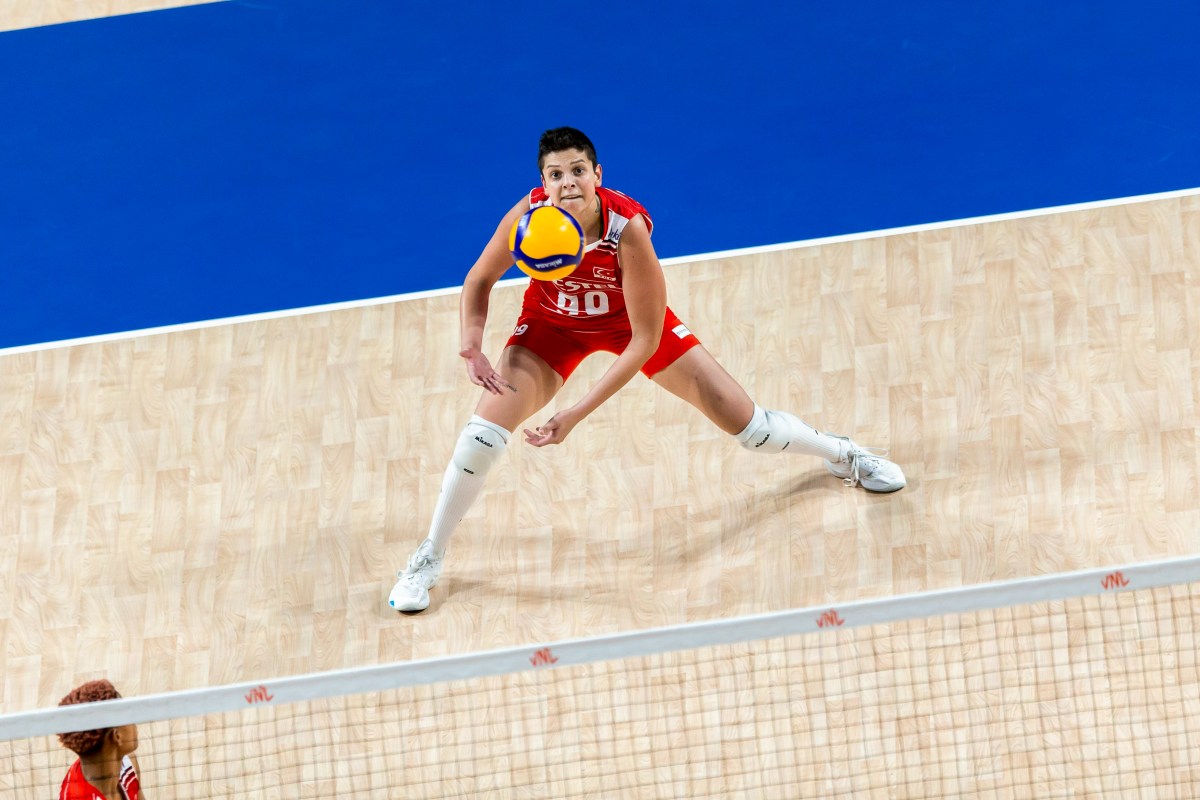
543,658
1114,580
259,694
829,619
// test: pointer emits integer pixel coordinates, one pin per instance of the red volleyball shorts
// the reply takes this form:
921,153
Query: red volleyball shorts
564,348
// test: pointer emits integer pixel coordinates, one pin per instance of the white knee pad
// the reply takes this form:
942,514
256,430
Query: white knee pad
767,432
774,431
479,446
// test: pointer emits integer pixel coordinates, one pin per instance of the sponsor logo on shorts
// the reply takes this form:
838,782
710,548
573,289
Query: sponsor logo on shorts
681,331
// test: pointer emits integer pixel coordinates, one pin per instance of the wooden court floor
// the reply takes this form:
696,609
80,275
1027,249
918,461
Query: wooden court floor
230,503
17,14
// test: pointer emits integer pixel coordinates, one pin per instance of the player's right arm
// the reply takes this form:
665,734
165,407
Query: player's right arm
492,263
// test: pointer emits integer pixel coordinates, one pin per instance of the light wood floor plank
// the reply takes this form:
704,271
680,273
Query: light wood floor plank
230,503
17,14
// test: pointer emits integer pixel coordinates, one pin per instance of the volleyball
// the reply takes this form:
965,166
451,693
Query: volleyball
546,243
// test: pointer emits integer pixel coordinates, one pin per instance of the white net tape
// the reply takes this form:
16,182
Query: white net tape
948,694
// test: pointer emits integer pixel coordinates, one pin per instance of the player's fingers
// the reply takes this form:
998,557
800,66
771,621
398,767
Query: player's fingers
498,384
480,380
538,437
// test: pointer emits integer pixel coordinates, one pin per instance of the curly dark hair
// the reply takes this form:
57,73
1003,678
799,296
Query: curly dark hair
556,140
84,742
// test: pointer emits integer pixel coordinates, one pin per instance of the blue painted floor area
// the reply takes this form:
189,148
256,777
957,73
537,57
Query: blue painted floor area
240,157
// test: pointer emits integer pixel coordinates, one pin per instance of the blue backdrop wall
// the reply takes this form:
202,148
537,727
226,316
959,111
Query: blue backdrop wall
241,157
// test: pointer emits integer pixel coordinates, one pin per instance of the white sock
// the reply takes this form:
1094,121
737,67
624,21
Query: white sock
776,431
479,446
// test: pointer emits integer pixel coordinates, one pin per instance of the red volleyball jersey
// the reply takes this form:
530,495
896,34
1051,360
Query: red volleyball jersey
591,297
76,787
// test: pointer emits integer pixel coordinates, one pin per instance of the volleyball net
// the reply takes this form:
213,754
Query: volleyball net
1082,684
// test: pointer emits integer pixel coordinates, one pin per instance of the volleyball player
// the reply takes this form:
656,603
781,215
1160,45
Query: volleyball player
614,301
106,768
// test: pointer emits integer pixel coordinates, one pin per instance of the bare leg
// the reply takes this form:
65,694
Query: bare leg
483,441
535,383
697,378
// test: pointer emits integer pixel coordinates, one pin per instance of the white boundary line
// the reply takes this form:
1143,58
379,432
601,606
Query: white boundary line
937,226
770,248
537,657
183,4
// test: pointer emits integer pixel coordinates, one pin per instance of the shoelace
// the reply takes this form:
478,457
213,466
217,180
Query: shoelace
858,455
413,579
417,563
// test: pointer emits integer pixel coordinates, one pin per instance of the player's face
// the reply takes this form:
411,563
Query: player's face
128,740
570,179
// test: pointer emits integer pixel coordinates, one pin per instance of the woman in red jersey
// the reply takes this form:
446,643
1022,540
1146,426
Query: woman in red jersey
106,768
616,300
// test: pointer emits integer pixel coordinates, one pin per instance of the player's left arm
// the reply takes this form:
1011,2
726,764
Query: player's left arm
645,289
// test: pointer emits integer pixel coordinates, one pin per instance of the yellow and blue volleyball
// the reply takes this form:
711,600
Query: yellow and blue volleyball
546,243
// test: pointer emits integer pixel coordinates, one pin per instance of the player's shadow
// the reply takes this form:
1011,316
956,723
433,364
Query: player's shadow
695,549
748,523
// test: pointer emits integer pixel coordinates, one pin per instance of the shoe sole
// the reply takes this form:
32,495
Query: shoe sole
832,472
407,610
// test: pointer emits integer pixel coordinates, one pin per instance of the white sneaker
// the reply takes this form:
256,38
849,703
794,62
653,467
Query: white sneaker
867,467
411,592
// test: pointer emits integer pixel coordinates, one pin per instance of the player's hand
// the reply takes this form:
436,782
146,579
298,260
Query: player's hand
554,431
479,369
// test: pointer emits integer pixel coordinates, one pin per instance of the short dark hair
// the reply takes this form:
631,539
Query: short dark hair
558,139
84,742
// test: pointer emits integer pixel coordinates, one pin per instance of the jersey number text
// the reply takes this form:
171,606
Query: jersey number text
593,303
